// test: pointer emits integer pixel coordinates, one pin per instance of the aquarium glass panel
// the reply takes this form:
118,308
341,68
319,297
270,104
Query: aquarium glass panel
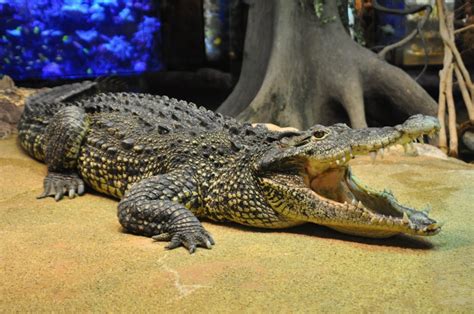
216,28
78,38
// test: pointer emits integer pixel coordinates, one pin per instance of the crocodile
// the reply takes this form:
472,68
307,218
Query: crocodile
171,163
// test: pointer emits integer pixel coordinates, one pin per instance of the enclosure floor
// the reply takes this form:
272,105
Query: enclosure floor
72,256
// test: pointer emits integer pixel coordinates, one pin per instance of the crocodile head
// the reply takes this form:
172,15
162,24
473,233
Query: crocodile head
309,170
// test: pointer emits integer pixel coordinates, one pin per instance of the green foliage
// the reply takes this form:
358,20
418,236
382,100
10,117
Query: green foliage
318,8
319,11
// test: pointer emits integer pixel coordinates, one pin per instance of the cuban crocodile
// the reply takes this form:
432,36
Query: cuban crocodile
170,163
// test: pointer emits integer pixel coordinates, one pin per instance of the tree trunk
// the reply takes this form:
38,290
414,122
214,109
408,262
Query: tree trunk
301,67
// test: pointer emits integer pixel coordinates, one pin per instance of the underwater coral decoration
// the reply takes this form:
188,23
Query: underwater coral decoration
78,38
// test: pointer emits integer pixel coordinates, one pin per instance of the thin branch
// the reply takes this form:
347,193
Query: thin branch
453,136
462,7
445,36
465,28
443,140
378,7
464,92
443,75
448,39
382,53
428,9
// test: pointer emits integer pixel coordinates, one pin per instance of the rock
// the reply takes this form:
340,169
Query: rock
12,100
9,117
468,140
416,149
430,151
6,83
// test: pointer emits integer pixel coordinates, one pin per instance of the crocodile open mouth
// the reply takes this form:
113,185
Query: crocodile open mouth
368,212
330,194
312,180
336,198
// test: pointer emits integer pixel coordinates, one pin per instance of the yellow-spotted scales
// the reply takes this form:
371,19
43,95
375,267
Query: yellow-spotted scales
170,162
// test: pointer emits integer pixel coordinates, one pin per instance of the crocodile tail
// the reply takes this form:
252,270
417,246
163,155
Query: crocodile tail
110,84
77,91
42,107
60,93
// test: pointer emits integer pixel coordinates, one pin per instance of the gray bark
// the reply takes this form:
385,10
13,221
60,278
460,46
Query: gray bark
301,68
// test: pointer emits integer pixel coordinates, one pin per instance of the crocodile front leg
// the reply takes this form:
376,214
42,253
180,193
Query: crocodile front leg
160,206
64,136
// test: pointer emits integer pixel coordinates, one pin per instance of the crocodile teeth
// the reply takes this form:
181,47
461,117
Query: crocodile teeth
338,162
381,152
435,226
421,139
360,205
354,202
405,147
405,218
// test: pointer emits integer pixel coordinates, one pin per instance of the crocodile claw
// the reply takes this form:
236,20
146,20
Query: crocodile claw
59,184
190,239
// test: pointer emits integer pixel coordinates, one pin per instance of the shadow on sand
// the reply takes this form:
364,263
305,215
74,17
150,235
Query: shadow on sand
313,230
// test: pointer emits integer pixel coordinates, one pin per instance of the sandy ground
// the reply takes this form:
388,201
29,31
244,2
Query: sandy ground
72,255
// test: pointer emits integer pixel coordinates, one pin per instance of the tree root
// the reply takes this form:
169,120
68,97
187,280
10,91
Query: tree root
301,69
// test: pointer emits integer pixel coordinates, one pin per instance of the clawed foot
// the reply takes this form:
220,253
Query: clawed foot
59,184
190,239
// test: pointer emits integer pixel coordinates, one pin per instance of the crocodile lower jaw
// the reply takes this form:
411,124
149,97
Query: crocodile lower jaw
364,211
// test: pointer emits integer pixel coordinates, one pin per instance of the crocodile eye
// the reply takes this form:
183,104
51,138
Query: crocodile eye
320,134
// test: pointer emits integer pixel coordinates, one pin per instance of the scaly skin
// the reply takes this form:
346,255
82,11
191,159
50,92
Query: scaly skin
170,162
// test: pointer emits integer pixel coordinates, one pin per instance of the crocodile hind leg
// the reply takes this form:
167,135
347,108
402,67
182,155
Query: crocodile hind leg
158,207
64,136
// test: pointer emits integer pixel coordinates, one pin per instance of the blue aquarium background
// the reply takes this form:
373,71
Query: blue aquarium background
42,39
391,27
